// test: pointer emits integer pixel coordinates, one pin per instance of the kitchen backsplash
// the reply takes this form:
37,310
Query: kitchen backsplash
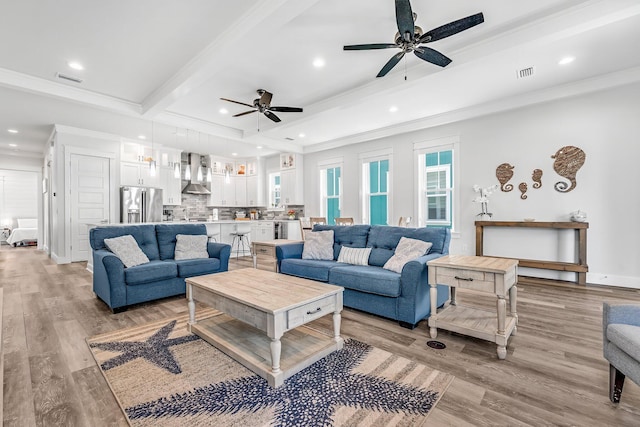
195,207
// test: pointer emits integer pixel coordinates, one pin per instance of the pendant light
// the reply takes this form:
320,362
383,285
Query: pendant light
209,177
187,171
199,176
176,166
152,162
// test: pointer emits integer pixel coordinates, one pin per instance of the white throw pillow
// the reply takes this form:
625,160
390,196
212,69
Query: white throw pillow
191,246
318,245
126,248
406,250
355,256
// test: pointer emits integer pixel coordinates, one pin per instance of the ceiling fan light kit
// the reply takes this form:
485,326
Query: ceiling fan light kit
263,105
410,37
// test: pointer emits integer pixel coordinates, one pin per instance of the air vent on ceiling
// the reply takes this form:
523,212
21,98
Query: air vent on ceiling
526,72
289,139
69,78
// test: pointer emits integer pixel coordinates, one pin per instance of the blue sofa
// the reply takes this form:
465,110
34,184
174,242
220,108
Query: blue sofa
162,277
403,297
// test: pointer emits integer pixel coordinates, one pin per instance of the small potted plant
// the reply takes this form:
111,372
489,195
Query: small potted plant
291,213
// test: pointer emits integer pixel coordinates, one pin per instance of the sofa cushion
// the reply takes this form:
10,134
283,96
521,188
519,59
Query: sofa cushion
318,245
355,256
354,236
126,248
372,280
191,247
626,337
383,240
197,267
150,272
406,250
166,235
145,235
308,268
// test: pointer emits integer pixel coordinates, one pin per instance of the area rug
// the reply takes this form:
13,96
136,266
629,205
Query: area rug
162,375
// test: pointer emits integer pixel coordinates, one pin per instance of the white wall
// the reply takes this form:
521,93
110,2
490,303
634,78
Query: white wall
603,124
19,192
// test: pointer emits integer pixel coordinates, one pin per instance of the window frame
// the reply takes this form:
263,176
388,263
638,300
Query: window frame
365,195
421,150
323,167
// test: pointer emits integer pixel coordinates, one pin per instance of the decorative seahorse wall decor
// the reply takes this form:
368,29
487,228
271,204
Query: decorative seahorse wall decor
568,160
523,189
536,177
504,173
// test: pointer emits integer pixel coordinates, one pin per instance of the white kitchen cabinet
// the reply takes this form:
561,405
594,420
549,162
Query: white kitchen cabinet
232,193
171,187
138,174
262,231
168,157
239,184
135,152
291,190
255,191
294,231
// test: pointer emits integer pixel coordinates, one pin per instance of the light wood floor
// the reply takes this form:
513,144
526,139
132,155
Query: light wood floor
554,373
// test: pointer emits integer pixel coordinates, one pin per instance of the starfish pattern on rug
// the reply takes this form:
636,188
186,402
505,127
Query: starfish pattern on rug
308,398
155,350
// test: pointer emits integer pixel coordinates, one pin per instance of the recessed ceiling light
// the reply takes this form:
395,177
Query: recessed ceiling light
142,137
12,131
223,111
566,60
259,147
301,135
75,65
318,62
13,145
393,109
234,154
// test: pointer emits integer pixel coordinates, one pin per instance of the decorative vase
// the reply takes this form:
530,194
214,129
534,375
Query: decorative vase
292,217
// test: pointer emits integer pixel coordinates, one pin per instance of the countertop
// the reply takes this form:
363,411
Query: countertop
221,221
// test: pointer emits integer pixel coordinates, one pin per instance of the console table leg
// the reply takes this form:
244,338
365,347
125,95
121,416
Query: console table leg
502,352
276,347
433,296
502,314
513,301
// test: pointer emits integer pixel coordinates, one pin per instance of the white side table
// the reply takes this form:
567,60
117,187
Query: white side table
496,276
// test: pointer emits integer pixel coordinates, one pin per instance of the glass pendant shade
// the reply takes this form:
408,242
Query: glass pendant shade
152,168
199,175
209,177
176,170
187,173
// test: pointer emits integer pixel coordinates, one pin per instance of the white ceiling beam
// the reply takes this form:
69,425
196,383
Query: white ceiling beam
264,18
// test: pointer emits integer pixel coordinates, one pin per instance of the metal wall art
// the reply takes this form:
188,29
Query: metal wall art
523,189
504,173
536,177
568,160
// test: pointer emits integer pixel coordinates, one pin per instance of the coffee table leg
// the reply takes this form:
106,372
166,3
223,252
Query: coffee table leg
337,319
191,304
276,347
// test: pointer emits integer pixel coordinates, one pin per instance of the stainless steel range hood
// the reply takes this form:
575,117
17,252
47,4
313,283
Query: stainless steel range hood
195,186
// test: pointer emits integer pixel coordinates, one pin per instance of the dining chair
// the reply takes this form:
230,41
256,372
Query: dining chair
317,220
344,221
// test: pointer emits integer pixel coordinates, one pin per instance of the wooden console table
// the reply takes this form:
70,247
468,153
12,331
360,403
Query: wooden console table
580,267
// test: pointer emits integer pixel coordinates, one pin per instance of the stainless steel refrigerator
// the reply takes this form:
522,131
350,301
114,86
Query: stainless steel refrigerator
140,204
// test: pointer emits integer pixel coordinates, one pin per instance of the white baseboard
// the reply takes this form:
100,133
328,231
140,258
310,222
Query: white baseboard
610,280
60,260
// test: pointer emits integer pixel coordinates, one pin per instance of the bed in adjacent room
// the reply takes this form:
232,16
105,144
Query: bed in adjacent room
26,233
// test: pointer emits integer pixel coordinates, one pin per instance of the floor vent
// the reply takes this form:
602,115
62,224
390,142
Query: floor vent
69,78
526,72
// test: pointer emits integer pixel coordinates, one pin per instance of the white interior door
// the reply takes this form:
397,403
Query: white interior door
89,193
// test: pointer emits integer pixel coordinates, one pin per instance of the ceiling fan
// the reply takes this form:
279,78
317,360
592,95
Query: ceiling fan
410,37
263,105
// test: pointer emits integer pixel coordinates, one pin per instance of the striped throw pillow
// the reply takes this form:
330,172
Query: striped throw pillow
356,256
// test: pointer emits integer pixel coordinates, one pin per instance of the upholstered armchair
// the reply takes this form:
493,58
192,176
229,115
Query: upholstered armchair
621,346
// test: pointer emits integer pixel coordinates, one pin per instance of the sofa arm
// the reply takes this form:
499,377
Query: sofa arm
414,273
222,251
108,279
290,250
627,314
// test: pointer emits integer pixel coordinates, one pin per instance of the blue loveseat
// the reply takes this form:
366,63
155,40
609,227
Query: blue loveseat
371,288
162,277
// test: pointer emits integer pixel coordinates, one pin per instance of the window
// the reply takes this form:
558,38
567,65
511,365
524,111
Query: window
330,191
274,190
375,180
436,204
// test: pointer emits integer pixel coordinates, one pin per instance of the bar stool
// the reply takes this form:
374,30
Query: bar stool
241,239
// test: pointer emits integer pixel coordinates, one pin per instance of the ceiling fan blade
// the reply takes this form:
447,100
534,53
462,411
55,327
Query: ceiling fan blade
272,116
433,56
452,28
265,99
236,102
404,19
369,46
287,109
246,112
390,64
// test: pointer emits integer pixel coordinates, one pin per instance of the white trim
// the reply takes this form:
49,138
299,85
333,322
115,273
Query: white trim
70,130
371,156
617,281
328,163
365,159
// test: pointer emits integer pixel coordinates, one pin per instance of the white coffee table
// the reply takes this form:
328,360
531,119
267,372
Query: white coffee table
259,308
